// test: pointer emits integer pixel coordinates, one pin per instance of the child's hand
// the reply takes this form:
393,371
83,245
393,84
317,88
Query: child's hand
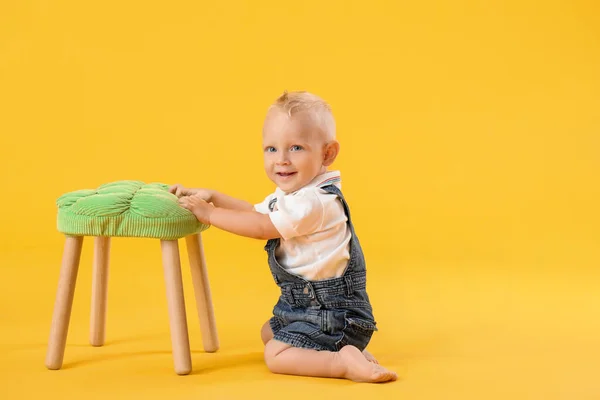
198,206
181,191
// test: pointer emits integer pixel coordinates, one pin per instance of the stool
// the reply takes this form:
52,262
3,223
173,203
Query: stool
130,209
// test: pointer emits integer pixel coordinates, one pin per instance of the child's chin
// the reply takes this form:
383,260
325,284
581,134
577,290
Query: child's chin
287,187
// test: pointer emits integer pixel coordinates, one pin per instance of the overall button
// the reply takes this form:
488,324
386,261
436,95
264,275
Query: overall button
308,290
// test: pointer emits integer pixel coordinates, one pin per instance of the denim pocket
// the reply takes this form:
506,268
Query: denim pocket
357,333
362,326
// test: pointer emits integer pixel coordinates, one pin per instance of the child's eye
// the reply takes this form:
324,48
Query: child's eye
296,148
270,149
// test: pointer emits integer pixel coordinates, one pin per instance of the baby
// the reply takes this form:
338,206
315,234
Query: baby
323,319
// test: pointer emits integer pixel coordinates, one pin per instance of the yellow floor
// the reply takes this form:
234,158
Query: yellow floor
452,330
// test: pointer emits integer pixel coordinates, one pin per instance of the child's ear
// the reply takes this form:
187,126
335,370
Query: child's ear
331,151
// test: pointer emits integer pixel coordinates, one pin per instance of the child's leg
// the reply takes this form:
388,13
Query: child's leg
266,334
349,363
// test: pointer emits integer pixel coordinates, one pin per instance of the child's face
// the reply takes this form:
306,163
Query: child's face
293,150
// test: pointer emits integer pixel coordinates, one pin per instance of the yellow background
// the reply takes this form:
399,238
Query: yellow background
470,138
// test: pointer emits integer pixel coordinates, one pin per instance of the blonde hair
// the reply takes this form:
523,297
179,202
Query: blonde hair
301,101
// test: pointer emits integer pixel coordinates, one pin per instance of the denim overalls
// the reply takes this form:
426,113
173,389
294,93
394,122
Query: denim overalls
327,314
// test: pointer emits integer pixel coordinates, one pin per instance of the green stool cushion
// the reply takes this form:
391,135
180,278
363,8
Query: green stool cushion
127,209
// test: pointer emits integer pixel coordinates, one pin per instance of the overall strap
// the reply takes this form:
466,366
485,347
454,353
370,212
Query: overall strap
331,188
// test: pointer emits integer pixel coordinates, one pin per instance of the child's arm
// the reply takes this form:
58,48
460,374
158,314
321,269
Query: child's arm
212,196
247,223
224,201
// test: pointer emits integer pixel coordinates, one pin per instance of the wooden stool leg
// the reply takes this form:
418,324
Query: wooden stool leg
99,290
176,304
64,302
204,304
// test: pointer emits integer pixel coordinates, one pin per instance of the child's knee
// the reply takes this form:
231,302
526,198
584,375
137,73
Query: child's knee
273,349
266,334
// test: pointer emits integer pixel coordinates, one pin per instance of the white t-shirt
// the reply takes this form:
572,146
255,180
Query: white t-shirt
315,237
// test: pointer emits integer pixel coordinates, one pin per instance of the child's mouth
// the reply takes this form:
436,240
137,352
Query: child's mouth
285,174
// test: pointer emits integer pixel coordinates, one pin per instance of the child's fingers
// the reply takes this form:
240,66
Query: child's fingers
176,190
192,201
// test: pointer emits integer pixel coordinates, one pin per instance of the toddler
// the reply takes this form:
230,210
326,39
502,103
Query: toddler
323,319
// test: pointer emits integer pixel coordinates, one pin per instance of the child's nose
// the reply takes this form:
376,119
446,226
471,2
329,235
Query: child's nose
282,159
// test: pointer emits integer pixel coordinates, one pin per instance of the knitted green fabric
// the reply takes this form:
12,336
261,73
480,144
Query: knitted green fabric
127,209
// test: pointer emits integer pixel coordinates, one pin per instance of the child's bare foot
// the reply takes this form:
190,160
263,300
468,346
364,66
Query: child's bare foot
370,357
359,369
